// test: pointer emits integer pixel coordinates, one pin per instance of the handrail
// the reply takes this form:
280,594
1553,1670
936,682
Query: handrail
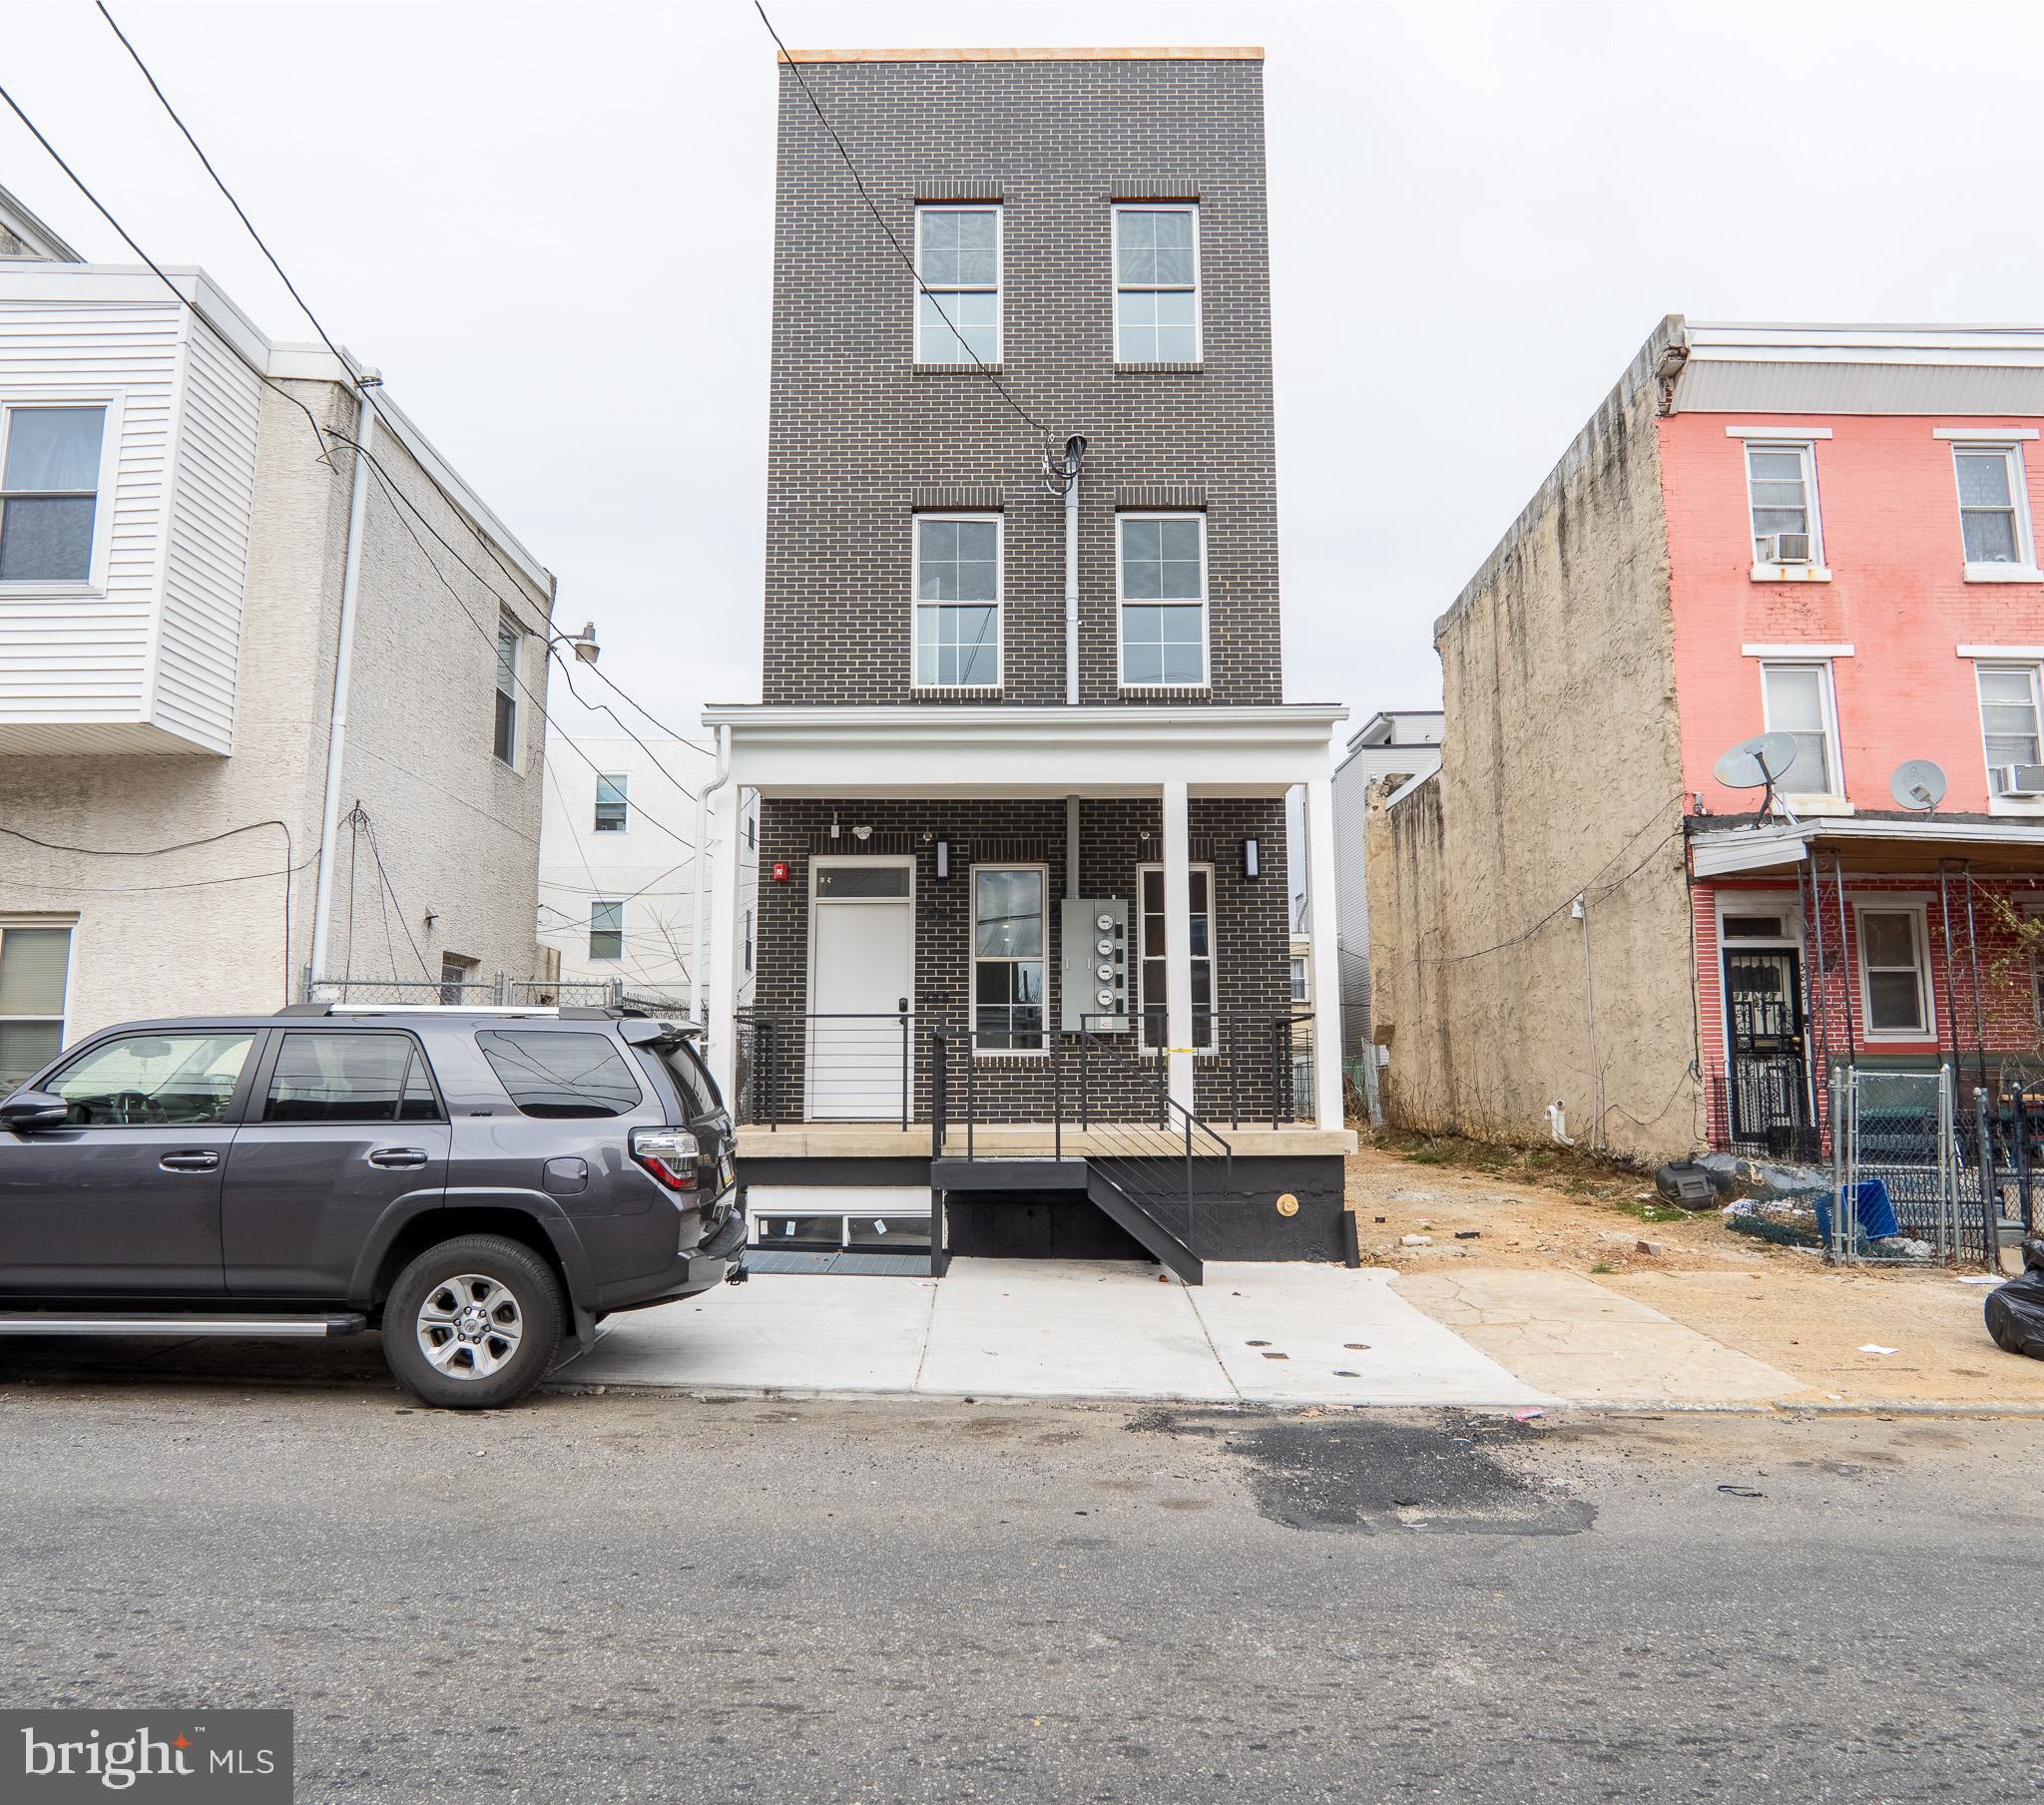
782,1053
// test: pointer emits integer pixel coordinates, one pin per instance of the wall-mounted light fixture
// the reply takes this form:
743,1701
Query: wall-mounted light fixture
943,858
1252,857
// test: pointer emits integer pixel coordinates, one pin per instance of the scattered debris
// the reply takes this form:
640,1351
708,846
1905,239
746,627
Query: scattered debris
1415,1240
1741,1492
1468,1234
1356,1347
1267,1355
1256,1344
1527,1416
2016,1311
1875,1347
1341,1372
1978,1279
1653,1249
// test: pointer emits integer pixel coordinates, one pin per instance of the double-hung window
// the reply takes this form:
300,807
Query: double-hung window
1781,484
605,930
49,492
1994,521
1162,583
612,811
958,301
504,733
1797,699
1299,977
957,601
1894,973
35,963
2009,724
1152,972
1157,285
1008,958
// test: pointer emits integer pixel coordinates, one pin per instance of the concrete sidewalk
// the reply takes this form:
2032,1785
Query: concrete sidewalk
1276,1334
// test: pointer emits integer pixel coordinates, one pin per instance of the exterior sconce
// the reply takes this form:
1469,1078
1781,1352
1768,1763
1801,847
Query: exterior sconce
1252,857
943,858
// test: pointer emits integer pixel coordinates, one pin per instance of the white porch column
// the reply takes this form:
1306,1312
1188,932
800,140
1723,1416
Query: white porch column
723,943
1324,977
1178,945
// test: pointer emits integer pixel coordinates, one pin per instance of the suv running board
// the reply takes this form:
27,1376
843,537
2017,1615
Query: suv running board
102,1322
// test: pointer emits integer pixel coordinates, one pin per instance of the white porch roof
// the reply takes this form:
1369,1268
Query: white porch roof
921,749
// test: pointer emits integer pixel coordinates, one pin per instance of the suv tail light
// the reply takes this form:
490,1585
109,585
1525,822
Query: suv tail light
669,1155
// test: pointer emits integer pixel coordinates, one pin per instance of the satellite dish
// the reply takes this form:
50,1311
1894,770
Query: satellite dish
1918,784
1756,763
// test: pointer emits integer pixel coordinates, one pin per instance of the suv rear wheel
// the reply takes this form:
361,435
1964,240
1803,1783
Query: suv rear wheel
473,1323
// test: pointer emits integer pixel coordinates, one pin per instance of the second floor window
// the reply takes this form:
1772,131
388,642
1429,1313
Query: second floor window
1990,504
611,810
605,930
1163,579
1797,699
957,601
49,492
958,308
2009,721
1781,486
1157,285
504,734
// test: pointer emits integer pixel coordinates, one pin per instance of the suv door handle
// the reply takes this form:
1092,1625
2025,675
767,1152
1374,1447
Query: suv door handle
398,1156
204,1161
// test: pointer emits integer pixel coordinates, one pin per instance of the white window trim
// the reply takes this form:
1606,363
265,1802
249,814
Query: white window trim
2024,569
69,923
1123,601
998,288
1197,286
1926,1004
608,902
1804,444
2033,668
114,401
623,779
1212,955
1828,802
972,961
515,692
916,604
1300,982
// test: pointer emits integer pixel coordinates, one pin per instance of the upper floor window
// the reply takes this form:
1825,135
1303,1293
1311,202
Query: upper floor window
505,733
1781,482
611,809
2009,725
35,965
605,930
958,308
49,492
957,601
1797,701
1162,580
1157,285
1994,521
1298,977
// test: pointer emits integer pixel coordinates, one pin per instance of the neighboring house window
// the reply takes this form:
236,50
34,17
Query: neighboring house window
456,973
1298,977
2009,719
49,492
34,964
1162,582
506,734
749,940
1007,958
1151,993
1893,973
1157,285
605,930
1781,484
958,308
610,802
1992,514
751,833
957,601
1797,699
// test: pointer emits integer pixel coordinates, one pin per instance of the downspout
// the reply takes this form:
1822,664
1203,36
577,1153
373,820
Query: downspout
1581,911
717,782
1075,455
343,662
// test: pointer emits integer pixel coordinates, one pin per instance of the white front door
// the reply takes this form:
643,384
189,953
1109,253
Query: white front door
861,972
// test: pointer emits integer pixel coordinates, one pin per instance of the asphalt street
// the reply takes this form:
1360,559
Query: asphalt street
616,1596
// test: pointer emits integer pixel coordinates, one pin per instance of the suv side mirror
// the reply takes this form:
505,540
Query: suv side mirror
27,1110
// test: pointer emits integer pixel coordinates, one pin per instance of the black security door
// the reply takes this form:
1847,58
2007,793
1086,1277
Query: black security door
1769,1083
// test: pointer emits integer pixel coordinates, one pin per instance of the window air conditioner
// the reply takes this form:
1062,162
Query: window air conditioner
2019,780
1783,548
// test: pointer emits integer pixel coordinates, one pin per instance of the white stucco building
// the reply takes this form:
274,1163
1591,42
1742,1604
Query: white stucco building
258,724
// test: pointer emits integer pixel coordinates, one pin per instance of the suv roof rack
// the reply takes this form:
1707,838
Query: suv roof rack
563,1011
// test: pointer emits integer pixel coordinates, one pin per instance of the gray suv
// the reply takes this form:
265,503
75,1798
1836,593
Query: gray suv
481,1184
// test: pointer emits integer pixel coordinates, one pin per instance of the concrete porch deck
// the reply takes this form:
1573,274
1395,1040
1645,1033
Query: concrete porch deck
1013,1141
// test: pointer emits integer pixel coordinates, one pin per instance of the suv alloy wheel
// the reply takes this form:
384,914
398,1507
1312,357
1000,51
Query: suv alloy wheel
473,1323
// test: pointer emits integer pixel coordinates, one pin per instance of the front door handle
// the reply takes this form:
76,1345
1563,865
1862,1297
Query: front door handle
204,1161
398,1156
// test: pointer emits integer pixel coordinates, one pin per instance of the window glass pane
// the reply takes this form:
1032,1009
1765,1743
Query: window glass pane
605,930
1777,466
25,1046
154,1078
338,1077
420,1102
507,658
53,448
862,880
1008,914
1795,699
956,328
1984,478
32,965
1990,536
1996,686
559,1075
46,539
611,807
1889,938
1893,1001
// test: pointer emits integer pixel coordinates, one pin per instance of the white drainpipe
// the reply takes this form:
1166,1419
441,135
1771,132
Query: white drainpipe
722,777
1075,452
343,660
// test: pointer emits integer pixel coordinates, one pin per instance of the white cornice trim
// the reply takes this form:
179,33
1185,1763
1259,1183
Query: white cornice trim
1999,652
1992,435
1778,432
1811,651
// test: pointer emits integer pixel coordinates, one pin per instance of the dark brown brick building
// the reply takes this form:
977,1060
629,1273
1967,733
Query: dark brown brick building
1022,665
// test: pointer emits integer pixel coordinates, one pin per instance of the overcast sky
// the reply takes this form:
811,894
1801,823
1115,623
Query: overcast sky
549,226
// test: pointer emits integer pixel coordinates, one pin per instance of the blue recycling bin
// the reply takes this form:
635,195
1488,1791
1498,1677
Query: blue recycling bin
1877,1212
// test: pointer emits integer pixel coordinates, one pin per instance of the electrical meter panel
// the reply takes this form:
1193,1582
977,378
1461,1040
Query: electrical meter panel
1094,938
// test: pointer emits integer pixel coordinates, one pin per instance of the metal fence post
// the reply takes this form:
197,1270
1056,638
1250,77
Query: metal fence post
1233,1075
1057,1102
1839,1173
903,1006
1990,1186
497,990
2025,1201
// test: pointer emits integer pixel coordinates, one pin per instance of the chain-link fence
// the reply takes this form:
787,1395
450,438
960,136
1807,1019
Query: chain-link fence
498,992
1909,1186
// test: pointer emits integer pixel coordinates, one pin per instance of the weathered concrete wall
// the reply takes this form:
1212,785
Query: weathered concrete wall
1561,775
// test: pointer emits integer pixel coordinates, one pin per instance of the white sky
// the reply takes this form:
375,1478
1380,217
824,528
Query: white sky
549,226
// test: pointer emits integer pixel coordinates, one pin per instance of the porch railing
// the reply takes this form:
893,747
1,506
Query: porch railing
843,1067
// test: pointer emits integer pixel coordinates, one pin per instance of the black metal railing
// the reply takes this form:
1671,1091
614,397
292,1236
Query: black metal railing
828,1066
1245,1065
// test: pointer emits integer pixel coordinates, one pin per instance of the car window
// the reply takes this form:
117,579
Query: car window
142,1080
350,1078
694,1082
560,1075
